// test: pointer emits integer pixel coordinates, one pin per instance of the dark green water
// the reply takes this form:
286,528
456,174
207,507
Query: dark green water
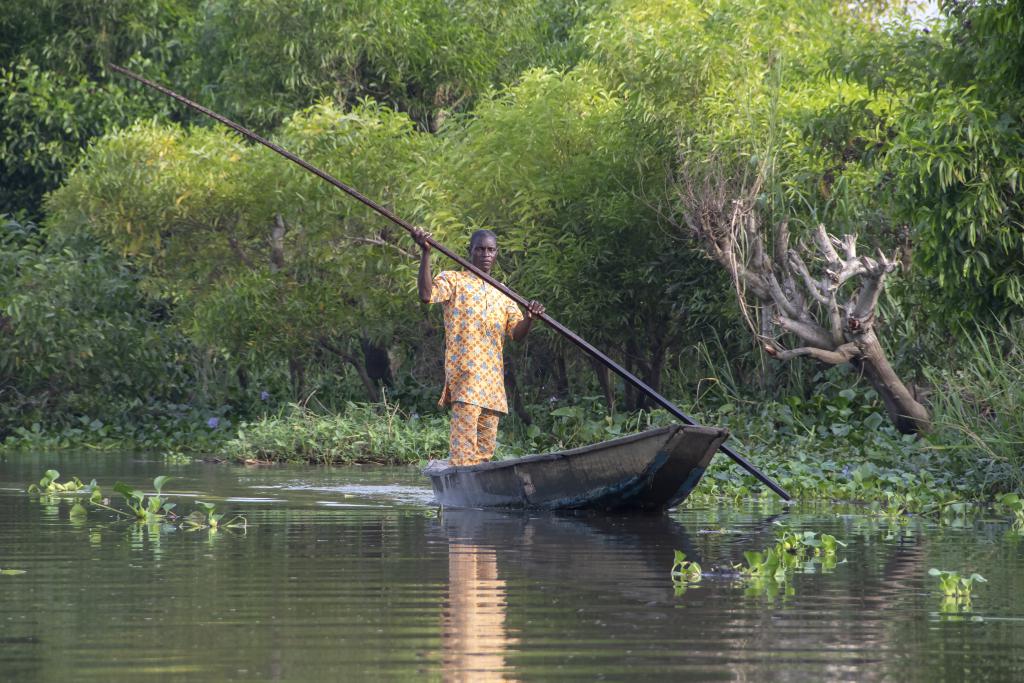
349,574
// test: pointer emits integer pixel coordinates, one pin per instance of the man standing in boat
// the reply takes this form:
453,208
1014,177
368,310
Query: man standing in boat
476,319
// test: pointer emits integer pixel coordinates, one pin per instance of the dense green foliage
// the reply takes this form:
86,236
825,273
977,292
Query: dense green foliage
183,281
56,96
263,59
76,324
201,209
954,158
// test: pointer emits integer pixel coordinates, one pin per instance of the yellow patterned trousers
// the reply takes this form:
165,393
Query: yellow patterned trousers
474,434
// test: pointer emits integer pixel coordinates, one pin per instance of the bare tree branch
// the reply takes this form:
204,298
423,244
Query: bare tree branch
809,332
835,325
843,354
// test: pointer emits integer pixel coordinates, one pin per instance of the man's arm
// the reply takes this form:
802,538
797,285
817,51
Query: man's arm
425,282
534,309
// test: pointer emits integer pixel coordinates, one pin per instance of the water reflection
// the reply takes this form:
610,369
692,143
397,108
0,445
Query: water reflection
588,551
383,589
474,634
561,568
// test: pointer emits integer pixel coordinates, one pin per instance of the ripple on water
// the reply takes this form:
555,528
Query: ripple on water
391,493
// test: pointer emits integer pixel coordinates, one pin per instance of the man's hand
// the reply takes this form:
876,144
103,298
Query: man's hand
534,309
421,238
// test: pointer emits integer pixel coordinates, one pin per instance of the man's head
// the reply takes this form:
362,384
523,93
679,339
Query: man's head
483,249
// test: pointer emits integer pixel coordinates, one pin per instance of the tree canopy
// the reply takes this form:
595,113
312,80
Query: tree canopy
573,129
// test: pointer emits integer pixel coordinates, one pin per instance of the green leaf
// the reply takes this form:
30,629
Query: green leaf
195,518
159,482
128,492
873,421
754,558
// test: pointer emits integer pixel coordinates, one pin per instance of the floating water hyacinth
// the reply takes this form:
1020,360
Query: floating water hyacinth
213,422
264,395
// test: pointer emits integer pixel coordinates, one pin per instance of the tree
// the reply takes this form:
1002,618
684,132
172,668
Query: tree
265,262
46,120
56,93
770,143
561,170
956,159
833,326
263,59
78,336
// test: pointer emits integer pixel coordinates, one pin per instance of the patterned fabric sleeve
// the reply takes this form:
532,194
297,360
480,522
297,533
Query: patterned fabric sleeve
443,287
512,316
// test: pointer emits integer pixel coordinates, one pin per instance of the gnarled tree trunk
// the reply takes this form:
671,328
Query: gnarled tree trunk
831,327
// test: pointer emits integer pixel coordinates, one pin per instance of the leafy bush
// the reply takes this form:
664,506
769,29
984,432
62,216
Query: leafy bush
79,337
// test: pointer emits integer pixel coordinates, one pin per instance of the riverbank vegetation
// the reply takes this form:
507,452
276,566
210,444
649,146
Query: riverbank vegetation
654,170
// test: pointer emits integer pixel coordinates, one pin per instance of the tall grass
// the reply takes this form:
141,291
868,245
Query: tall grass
979,405
363,433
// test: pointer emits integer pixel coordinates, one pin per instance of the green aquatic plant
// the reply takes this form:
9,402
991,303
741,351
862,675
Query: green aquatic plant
684,569
50,489
956,586
770,563
792,550
149,508
1012,503
807,543
142,507
49,485
207,517
956,590
684,573
364,433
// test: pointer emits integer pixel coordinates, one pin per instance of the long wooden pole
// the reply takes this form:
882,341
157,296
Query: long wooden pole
387,213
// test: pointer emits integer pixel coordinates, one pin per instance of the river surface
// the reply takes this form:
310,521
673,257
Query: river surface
351,574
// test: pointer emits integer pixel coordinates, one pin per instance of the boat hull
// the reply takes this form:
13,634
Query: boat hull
651,471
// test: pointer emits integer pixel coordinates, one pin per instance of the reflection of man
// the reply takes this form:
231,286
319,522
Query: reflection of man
474,636
476,319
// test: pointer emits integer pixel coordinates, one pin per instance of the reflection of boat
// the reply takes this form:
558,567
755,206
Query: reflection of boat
584,534
652,470
491,553
628,554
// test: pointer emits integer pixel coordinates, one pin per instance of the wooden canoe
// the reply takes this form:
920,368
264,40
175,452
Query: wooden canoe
650,471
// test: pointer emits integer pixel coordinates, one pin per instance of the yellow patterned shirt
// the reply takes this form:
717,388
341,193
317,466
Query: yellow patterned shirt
476,319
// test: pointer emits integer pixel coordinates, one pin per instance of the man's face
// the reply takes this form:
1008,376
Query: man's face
483,251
